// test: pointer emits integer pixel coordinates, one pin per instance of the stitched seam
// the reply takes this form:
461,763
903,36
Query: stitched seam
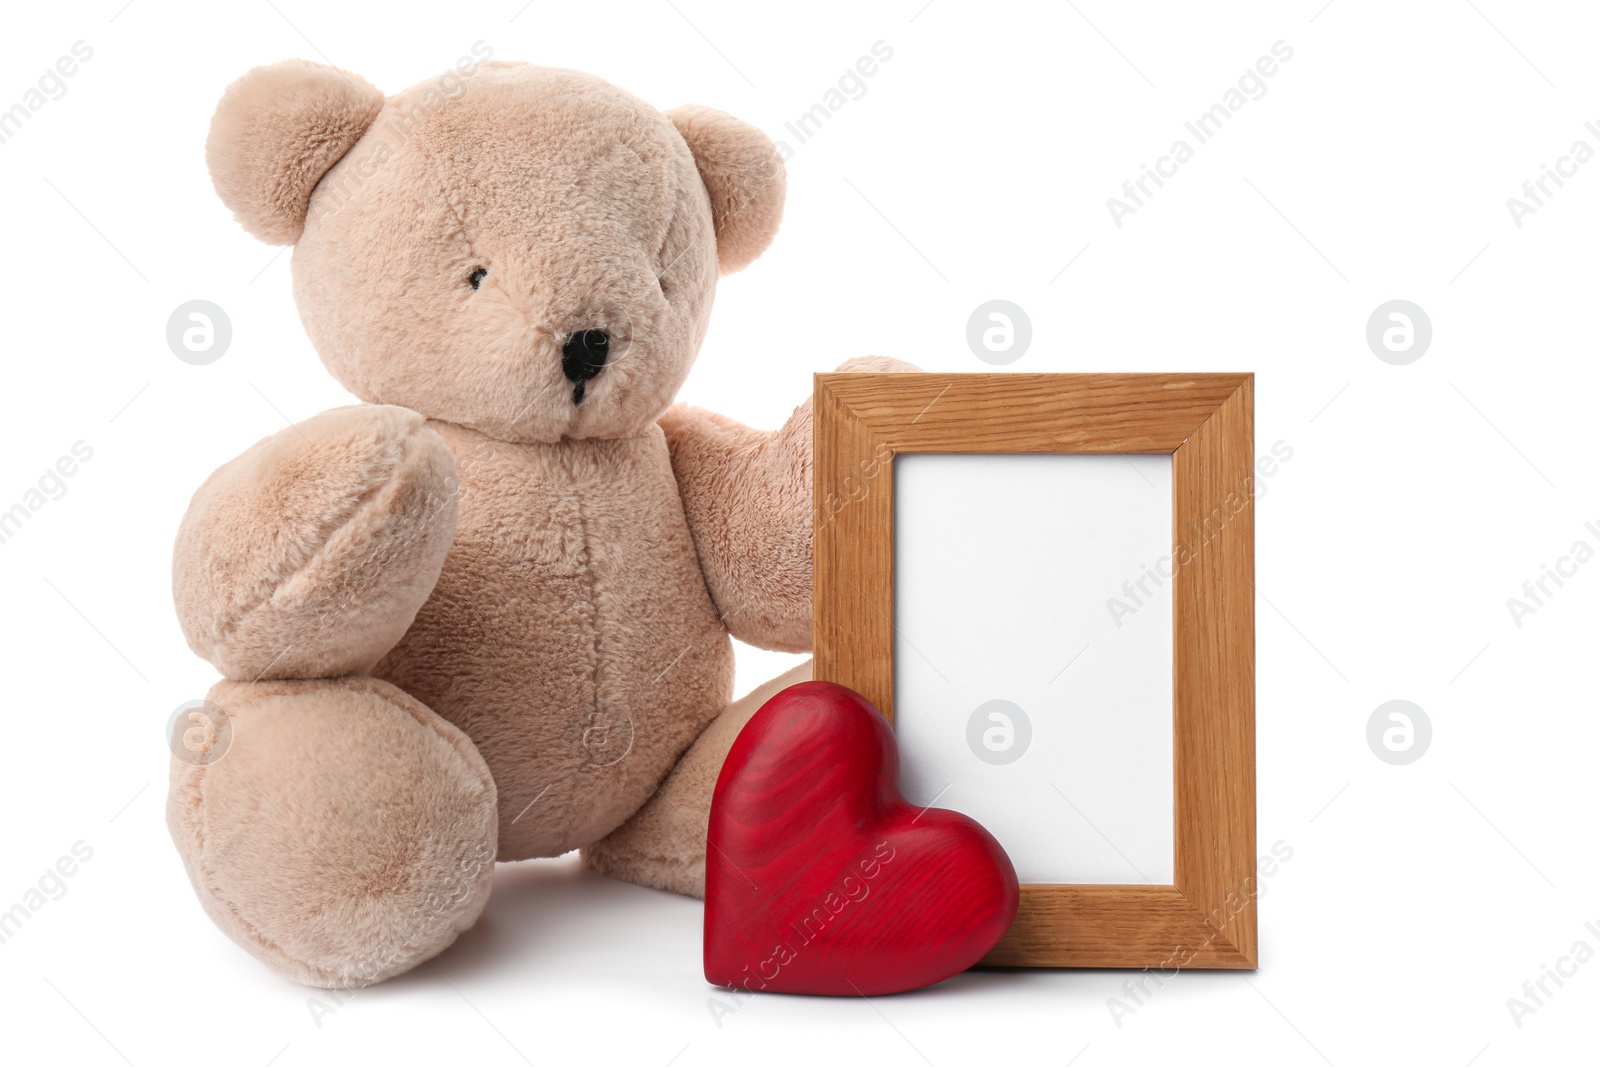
363,504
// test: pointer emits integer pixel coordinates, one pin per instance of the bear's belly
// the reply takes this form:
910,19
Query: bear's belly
571,635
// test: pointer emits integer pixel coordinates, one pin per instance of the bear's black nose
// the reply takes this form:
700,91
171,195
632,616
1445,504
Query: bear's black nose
584,355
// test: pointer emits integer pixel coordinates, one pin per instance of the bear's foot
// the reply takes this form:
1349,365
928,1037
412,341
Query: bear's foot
663,845
345,834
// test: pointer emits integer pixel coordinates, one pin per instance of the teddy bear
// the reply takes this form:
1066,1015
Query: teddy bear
485,614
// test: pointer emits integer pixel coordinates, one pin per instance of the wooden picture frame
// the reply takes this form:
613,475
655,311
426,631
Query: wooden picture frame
1207,917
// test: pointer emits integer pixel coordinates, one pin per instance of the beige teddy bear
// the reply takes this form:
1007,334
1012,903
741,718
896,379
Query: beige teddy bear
486,614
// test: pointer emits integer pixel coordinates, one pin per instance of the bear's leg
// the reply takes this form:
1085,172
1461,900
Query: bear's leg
663,845
346,832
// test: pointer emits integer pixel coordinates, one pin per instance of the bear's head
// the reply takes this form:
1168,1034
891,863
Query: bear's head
525,251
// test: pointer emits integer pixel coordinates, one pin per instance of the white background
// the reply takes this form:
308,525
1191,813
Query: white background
1003,569
977,166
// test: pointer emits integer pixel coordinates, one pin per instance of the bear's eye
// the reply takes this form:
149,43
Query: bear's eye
478,276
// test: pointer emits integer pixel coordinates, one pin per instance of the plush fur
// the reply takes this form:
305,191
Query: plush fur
482,615
346,835
744,177
275,134
308,555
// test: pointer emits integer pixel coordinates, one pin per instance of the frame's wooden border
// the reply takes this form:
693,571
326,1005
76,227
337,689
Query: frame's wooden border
1207,918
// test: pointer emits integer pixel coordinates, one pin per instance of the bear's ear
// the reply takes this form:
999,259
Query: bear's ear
276,132
743,173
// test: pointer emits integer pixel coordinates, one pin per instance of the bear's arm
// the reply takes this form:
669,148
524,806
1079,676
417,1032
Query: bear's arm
309,555
747,496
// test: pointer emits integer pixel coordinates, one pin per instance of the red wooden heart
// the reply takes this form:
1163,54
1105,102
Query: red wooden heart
821,878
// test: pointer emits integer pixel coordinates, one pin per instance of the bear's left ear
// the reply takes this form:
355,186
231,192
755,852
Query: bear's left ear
743,173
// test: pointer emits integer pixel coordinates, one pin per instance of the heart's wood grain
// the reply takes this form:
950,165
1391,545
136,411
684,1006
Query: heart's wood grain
821,878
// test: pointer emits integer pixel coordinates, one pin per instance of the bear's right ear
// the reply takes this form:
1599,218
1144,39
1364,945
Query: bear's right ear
276,132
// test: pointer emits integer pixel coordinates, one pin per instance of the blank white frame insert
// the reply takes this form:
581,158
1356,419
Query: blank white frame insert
1033,655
